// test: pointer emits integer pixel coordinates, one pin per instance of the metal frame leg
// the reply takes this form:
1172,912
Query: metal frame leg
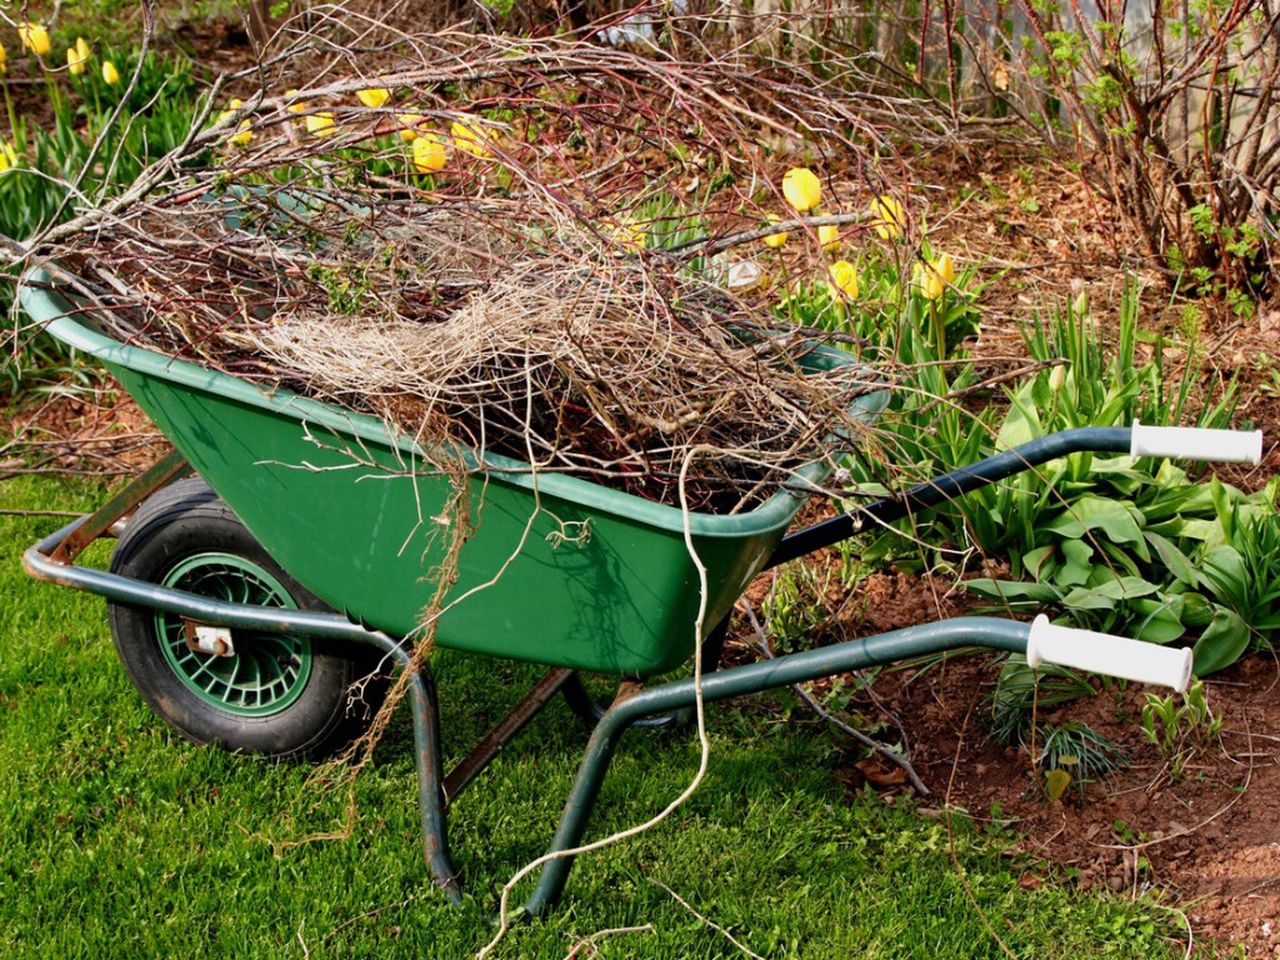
426,740
753,678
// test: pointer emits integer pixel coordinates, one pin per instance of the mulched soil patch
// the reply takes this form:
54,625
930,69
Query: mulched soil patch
1210,840
99,433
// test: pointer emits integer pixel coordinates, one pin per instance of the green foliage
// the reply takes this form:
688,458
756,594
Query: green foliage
1020,689
797,608
1076,754
34,191
155,119
1180,731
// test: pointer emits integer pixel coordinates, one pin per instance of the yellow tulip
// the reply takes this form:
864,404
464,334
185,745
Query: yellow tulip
374,97
829,236
321,124
75,62
629,234
932,278
8,158
945,268
245,134
801,188
474,142
844,277
4,57
35,38
83,48
775,240
428,154
888,218
411,123
1058,378
109,73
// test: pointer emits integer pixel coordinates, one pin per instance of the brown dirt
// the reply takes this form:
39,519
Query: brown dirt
101,433
1211,839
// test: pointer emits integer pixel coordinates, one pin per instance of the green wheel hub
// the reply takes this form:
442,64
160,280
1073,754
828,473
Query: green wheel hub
268,672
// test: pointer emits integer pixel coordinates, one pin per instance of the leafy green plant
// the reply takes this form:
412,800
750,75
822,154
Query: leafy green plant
1074,754
797,609
1020,690
1180,731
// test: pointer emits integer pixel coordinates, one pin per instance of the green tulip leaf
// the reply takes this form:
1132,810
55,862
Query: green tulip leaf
1222,644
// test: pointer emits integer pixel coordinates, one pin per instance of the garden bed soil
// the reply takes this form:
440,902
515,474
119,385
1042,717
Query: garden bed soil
99,433
1209,841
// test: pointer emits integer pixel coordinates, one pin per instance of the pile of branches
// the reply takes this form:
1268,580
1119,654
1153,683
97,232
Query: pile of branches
459,328
546,281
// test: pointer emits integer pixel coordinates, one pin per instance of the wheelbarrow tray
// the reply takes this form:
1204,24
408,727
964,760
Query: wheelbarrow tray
599,580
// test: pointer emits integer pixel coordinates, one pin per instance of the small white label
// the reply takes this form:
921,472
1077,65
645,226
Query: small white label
214,640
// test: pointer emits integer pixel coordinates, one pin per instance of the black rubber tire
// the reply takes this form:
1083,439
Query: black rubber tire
341,694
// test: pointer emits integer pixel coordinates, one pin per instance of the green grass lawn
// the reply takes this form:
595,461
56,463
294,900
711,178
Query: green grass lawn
118,839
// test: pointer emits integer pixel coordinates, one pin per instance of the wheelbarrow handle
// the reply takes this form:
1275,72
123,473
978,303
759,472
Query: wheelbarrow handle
1196,443
1107,654
1190,443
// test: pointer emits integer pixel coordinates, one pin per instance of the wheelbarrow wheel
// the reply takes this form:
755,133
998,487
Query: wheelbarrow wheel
277,695
589,707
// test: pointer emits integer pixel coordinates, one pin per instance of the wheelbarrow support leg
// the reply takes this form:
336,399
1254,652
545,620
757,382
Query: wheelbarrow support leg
426,739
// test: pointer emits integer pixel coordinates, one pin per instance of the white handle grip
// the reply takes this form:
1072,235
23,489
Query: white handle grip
1196,443
1104,653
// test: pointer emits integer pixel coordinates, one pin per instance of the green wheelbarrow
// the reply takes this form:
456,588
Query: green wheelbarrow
279,550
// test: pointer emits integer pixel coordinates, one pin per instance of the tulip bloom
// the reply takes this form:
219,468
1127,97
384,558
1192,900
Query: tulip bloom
428,155
775,240
829,236
629,234
321,124
4,57
843,276
244,135
474,142
934,277
78,56
945,267
374,97
35,38
411,122
8,158
888,218
110,75
801,189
